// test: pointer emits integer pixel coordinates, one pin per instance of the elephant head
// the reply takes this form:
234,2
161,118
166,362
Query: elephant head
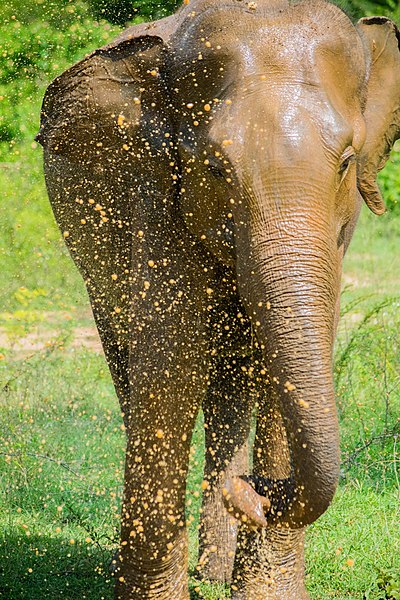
253,132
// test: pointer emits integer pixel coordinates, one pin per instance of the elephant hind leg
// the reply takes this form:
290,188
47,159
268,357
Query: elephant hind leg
227,417
227,412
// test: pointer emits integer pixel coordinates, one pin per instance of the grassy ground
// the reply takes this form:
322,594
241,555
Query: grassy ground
62,443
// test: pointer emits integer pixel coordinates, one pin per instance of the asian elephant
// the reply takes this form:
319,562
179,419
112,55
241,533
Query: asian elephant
207,171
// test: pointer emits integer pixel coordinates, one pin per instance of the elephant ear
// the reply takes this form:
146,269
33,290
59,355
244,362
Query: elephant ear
382,111
110,109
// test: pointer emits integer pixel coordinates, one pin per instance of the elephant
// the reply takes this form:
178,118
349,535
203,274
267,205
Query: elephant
207,171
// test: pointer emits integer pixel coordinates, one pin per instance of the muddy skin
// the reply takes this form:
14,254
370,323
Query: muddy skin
207,172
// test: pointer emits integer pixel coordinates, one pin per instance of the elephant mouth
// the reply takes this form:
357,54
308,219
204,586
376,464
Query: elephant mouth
257,501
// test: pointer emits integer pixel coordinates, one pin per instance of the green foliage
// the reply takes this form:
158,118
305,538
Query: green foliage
388,8
115,11
29,58
119,12
155,9
389,180
386,586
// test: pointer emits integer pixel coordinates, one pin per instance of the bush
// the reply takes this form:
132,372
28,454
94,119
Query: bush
30,57
389,180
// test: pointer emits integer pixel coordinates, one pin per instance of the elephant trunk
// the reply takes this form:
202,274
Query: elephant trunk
288,275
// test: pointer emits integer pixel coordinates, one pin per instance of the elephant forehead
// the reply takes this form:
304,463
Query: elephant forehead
253,41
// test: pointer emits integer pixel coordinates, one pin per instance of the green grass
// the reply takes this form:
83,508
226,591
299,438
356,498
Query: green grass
61,466
62,445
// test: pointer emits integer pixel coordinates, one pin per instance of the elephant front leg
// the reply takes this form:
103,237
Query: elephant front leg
269,565
168,379
152,561
227,415
269,562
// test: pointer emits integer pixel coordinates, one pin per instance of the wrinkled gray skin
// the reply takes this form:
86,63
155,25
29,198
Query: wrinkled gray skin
207,171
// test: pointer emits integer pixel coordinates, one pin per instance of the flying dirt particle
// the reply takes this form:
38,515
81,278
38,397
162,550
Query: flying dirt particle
117,310
228,102
121,120
154,72
136,101
196,123
303,403
208,44
151,263
204,484
140,233
209,291
350,562
66,234
159,434
207,107
227,142
125,146
290,386
114,277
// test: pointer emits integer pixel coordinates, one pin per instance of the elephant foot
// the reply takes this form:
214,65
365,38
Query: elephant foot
269,565
161,575
262,594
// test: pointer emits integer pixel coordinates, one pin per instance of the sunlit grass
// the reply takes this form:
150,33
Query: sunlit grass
61,481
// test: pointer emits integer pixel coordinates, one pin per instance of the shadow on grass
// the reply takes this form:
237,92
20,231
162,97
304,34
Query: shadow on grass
40,568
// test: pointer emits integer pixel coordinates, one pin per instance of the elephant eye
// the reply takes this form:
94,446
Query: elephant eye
347,158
